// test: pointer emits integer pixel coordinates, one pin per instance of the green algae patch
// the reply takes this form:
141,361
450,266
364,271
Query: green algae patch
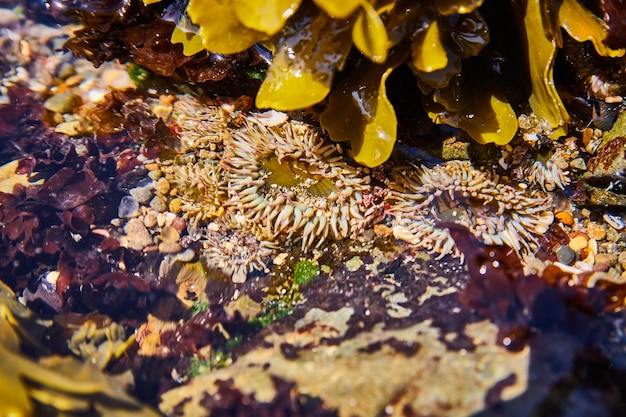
305,272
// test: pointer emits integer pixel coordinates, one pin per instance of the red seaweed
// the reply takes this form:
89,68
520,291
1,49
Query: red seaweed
523,305
615,17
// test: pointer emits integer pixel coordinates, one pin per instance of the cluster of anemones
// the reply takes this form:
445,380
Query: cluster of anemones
287,182
456,191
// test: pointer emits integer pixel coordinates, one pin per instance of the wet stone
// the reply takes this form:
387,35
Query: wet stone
579,164
158,204
150,219
63,102
606,258
596,231
187,255
565,255
141,194
137,236
162,186
129,207
170,247
578,242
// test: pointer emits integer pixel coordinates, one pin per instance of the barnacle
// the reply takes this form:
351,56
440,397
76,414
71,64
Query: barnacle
456,191
289,180
232,245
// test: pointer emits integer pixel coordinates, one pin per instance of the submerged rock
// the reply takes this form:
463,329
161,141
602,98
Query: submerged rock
606,176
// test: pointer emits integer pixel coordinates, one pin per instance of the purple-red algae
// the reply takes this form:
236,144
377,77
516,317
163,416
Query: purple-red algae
524,305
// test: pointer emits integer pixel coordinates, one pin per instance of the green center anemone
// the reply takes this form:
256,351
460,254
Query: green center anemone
456,191
291,183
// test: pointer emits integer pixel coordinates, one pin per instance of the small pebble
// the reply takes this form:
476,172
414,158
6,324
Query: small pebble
596,231
71,128
170,247
117,78
280,258
169,234
161,219
8,18
622,259
578,164
129,207
150,219
63,102
141,194
179,224
187,255
169,218
565,255
155,175
158,204
162,186
606,258
592,245
382,230
578,243
138,237
564,218
66,70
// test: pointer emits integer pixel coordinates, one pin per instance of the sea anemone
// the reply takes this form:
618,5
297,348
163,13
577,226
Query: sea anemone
494,212
200,187
231,245
548,172
200,125
287,179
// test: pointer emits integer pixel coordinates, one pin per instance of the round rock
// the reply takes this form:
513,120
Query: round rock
565,255
129,207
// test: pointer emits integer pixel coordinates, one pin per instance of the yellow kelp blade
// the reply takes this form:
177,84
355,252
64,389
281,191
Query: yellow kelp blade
192,42
339,9
488,118
448,7
13,398
380,132
268,16
583,25
302,79
359,111
369,34
427,51
220,28
540,52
